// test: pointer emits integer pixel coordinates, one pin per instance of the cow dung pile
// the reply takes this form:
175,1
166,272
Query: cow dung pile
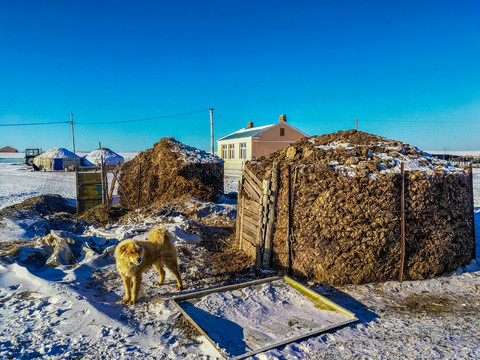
346,190
170,171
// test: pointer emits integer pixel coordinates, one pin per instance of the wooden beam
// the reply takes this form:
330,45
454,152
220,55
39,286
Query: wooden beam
402,216
252,177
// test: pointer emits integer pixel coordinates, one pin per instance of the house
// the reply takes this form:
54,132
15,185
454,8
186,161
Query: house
8,149
246,144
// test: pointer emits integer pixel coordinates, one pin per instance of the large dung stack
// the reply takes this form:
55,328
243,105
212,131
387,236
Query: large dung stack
168,171
346,209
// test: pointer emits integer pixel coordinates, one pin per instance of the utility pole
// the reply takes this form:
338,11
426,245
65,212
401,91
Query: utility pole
356,124
73,134
212,148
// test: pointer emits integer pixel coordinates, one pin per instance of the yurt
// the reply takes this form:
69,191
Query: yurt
57,158
95,157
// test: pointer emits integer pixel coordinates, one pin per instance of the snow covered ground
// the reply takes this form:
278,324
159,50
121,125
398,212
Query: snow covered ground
73,311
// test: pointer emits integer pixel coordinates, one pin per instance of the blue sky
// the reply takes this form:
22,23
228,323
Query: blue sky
409,70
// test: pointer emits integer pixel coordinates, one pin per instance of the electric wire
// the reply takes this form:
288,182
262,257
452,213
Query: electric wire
138,120
44,123
108,122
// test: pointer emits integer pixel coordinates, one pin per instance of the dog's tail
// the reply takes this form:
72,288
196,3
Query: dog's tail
159,235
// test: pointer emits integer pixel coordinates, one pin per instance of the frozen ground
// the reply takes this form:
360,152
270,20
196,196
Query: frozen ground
18,183
73,311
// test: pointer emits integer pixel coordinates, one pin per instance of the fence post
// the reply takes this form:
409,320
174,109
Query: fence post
139,184
402,215
240,211
104,190
472,202
272,204
289,223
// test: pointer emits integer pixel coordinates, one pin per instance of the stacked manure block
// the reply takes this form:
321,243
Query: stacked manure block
170,171
345,205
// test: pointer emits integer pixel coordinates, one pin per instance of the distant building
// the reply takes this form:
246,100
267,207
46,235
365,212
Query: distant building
8,149
252,142
106,155
57,158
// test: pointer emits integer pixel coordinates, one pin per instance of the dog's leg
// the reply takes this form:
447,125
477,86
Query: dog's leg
127,282
173,267
161,272
137,283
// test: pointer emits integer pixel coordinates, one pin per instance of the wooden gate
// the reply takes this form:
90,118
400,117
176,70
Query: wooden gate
89,188
256,215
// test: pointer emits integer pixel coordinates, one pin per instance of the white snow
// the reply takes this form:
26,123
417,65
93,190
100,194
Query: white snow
19,182
263,127
58,153
425,163
73,311
108,156
191,155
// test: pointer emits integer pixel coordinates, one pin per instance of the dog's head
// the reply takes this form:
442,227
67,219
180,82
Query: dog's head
133,251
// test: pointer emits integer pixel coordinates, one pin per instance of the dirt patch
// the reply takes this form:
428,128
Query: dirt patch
170,171
104,214
41,205
189,332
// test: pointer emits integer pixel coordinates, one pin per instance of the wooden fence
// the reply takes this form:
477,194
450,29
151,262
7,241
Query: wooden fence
256,215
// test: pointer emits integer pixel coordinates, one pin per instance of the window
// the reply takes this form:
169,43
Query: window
224,151
231,150
282,131
243,150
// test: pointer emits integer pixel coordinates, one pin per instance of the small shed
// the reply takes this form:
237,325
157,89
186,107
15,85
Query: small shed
57,158
95,157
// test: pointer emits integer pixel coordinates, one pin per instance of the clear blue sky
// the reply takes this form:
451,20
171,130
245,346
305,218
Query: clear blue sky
409,70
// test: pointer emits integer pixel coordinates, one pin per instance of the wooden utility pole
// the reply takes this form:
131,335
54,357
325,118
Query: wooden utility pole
212,148
73,134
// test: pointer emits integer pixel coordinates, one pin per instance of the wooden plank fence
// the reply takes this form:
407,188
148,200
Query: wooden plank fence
256,215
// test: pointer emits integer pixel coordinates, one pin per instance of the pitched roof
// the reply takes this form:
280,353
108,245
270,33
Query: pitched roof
8,149
58,153
246,133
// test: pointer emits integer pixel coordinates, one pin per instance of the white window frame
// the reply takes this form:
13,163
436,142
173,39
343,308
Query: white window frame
231,151
224,151
243,150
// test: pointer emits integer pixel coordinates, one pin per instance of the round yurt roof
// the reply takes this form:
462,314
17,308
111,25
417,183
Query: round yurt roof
109,157
58,153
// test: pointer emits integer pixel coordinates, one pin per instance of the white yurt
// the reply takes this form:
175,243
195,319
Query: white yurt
95,157
57,158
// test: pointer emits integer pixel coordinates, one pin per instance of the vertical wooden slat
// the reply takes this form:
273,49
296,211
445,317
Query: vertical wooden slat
261,224
402,216
77,192
241,221
272,203
240,206
103,179
289,223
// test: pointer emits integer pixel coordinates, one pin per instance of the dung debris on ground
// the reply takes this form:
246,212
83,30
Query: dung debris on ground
104,214
170,171
42,205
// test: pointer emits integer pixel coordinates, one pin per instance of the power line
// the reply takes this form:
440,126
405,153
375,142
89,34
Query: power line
137,120
45,123
108,122
225,120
